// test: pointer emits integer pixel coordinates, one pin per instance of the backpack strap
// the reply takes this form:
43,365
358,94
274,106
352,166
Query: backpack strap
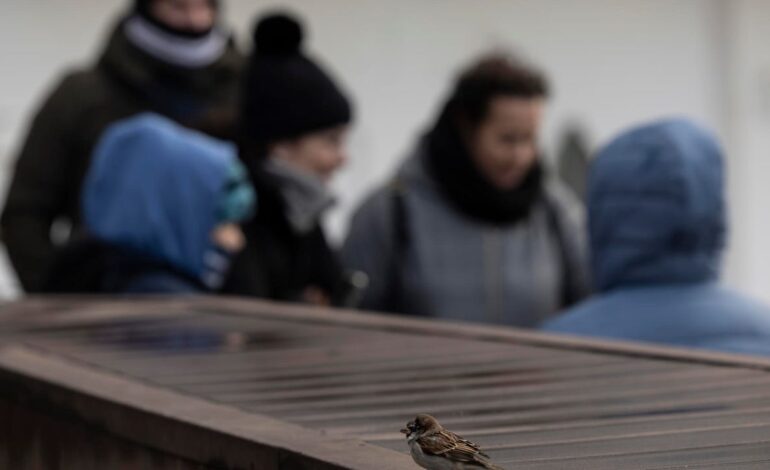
395,292
569,292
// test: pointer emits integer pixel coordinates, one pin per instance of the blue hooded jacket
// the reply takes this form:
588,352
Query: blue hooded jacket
156,190
657,231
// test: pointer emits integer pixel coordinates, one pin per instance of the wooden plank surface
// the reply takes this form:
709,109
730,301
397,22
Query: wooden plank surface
346,382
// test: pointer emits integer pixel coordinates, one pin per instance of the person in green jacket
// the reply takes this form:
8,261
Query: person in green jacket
172,57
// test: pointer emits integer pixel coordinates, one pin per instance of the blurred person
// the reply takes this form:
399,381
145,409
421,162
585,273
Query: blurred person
573,158
471,227
161,206
657,229
293,128
166,56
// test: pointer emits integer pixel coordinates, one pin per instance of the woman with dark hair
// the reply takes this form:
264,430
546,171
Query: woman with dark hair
471,228
293,126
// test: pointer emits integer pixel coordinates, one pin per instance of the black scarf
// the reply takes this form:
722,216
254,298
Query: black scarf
451,166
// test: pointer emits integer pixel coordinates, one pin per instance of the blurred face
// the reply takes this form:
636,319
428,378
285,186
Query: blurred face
320,153
504,145
196,16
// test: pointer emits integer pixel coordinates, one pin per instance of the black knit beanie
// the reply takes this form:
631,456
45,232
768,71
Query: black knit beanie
286,94
142,8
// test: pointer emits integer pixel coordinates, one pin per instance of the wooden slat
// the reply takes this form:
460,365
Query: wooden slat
717,456
654,441
478,380
615,427
431,395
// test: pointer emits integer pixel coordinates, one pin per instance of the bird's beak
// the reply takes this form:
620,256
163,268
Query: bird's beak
405,431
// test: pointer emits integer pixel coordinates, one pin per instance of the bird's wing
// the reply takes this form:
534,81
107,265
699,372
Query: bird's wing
451,446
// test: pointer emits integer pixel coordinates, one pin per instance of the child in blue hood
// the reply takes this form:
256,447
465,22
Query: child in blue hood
657,231
161,206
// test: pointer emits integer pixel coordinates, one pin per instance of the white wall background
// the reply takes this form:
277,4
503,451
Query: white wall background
612,63
748,131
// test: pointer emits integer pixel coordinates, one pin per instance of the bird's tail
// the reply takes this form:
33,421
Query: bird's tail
490,466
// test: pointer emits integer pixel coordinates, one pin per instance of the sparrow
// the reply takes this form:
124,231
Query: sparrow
434,448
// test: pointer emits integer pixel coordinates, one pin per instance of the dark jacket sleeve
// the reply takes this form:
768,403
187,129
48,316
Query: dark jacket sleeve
370,247
38,190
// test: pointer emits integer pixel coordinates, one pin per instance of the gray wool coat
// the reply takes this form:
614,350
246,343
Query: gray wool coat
425,258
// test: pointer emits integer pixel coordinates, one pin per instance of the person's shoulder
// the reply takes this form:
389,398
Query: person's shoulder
80,79
73,90
408,180
395,185
743,322
742,306
377,202
556,192
592,316
563,202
